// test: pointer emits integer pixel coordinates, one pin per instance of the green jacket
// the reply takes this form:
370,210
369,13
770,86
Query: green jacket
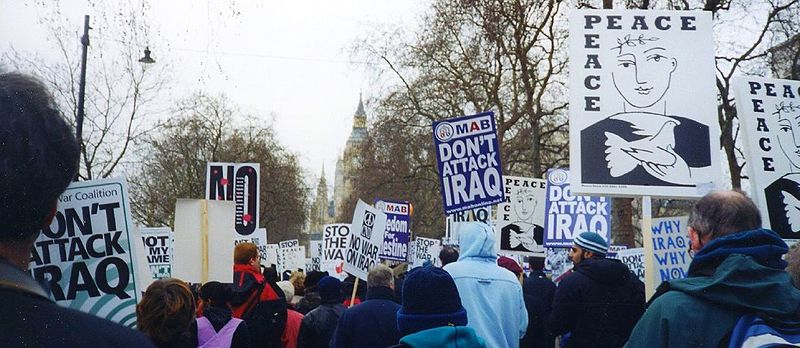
444,337
700,311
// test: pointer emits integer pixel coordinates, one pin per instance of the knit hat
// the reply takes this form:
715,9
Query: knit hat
509,264
287,288
330,289
430,299
217,292
591,241
312,278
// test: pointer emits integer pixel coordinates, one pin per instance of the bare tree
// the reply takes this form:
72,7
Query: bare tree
210,129
119,91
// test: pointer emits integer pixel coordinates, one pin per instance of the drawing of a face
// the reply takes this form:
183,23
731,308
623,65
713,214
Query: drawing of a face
789,137
524,203
643,71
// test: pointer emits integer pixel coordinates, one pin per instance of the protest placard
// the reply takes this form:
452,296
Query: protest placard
240,183
291,255
315,261
334,245
643,104
670,248
557,263
398,229
272,256
426,249
634,259
520,218
364,240
768,111
454,222
259,238
86,256
569,215
468,158
157,242
202,248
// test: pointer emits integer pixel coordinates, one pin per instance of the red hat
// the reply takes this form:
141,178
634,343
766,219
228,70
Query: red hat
509,264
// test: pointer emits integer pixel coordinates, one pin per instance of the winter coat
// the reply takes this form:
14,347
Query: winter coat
491,294
292,330
538,292
373,323
443,337
317,327
31,319
219,316
599,303
732,275
246,280
308,303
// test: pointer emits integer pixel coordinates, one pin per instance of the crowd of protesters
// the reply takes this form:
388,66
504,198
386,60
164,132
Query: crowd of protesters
474,300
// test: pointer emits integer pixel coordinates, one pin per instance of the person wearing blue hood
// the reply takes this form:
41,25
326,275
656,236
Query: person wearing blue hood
600,301
737,269
491,294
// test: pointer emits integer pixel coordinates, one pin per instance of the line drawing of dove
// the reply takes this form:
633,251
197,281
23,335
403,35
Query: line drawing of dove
656,154
524,239
792,209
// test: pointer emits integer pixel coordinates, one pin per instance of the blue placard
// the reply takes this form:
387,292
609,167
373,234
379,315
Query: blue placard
468,156
398,229
568,215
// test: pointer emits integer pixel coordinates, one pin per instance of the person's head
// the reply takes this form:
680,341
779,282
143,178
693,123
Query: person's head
216,294
448,254
247,254
587,245
643,71
270,274
789,133
298,280
288,290
536,263
524,203
39,155
721,213
509,264
793,261
330,290
166,310
430,299
380,275
311,281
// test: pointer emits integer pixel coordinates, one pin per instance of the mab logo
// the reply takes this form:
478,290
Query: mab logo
461,127
393,208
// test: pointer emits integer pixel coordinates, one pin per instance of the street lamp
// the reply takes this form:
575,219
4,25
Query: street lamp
82,84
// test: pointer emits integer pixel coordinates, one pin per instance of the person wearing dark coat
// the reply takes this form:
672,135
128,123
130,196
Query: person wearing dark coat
600,302
373,323
538,292
39,160
215,296
317,327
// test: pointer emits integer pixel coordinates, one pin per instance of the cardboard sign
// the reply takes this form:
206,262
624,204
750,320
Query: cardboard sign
769,111
202,246
157,247
240,183
364,240
272,256
334,246
670,248
569,215
634,259
557,263
468,158
454,222
643,104
315,261
398,230
520,218
291,255
426,249
85,254
259,238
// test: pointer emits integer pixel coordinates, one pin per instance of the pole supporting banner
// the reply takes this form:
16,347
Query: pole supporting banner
647,244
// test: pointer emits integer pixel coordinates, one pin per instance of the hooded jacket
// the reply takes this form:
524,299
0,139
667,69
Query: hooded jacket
373,323
737,274
491,294
443,337
599,303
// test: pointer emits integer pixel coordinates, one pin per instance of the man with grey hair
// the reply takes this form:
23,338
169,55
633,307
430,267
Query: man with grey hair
373,323
736,270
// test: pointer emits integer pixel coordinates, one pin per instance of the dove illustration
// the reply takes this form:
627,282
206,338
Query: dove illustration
792,209
517,239
656,154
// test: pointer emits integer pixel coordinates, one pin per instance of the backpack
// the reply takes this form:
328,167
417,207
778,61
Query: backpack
760,331
266,322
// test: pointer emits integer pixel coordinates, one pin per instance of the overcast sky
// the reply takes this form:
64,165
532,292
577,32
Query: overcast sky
282,60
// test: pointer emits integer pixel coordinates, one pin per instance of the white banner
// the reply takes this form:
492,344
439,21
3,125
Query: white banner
520,218
365,240
334,246
157,242
426,249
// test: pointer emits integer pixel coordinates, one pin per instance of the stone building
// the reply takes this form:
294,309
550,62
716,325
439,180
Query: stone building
349,159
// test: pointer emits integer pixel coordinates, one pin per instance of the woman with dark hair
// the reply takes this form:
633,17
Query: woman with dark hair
166,314
217,328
